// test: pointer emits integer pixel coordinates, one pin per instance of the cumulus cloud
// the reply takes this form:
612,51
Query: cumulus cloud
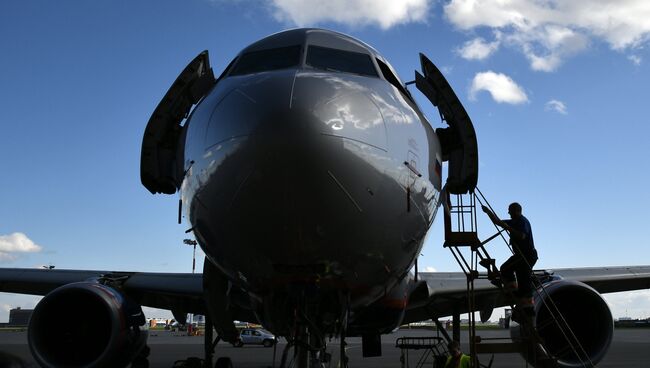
549,31
16,243
548,47
384,13
477,49
557,106
429,269
502,88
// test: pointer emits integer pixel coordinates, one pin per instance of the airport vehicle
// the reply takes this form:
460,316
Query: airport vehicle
310,178
255,336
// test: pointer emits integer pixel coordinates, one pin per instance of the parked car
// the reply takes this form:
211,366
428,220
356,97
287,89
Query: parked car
253,336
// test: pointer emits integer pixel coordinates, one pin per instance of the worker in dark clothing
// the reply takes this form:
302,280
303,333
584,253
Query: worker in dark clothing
523,259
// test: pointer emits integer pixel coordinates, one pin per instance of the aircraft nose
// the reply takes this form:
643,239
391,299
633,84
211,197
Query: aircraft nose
296,159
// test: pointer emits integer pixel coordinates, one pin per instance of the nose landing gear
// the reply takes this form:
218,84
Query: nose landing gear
310,348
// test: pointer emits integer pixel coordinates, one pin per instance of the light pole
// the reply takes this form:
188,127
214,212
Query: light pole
192,243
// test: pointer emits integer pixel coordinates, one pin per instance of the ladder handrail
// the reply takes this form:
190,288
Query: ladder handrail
495,226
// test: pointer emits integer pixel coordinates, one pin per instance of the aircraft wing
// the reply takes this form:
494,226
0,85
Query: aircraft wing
448,290
173,291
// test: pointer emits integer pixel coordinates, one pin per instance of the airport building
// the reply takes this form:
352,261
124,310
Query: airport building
629,322
19,317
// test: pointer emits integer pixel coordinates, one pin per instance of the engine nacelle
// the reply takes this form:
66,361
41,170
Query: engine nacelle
86,324
587,315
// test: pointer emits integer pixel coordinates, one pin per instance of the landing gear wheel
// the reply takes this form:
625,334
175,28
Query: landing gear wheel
267,343
223,362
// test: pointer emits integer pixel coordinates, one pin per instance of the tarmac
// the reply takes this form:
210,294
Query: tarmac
630,348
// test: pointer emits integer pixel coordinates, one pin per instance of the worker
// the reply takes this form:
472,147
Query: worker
523,259
456,357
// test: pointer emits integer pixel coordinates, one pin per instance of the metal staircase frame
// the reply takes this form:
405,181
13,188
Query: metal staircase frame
461,232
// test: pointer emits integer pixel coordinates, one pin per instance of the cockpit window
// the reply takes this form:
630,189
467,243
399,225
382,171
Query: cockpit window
340,61
392,78
265,60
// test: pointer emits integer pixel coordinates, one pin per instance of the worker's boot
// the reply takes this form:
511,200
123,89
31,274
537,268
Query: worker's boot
495,278
509,290
510,286
524,310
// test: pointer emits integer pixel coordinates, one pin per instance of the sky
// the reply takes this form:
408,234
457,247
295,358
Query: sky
557,92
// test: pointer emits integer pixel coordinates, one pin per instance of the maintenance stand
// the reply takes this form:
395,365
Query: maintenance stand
461,238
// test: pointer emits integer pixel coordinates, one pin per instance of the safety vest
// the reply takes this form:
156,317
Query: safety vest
463,362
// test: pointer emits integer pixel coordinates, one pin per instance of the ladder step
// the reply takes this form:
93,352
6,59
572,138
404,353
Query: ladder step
487,262
461,239
496,277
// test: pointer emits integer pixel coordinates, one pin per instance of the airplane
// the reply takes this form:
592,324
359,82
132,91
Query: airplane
310,177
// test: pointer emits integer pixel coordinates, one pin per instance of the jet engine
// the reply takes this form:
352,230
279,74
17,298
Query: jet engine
580,328
86,324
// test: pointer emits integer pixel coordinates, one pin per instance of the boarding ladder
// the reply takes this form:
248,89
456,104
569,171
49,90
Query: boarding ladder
461,238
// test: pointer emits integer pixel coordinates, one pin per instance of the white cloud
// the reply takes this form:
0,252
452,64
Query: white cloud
429,269
477,49
385,13
635,59
16,243
502,88
547,48
549,31
557,106
634,304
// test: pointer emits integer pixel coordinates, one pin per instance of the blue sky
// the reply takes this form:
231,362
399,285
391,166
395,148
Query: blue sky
557,92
